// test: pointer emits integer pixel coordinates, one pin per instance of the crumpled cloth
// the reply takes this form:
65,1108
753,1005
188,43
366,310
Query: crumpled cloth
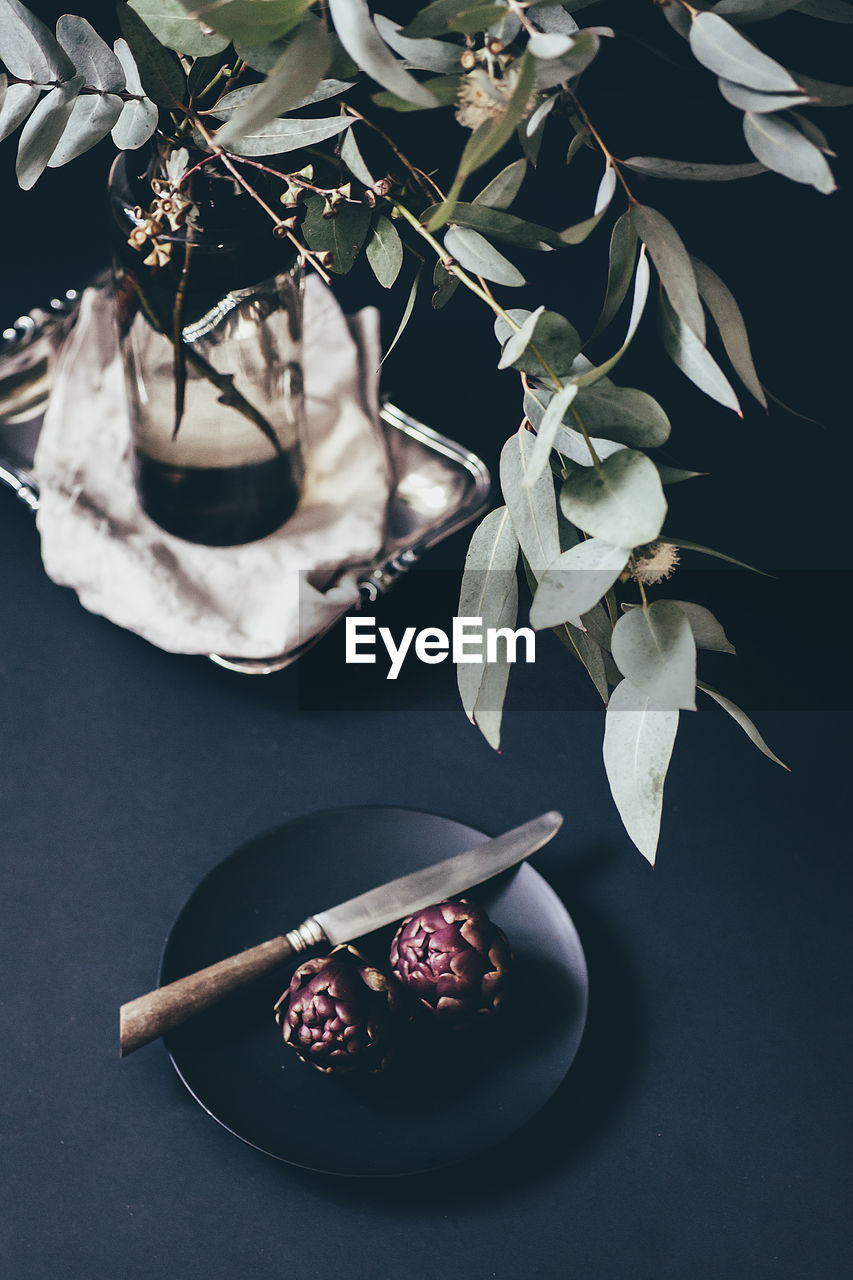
253,601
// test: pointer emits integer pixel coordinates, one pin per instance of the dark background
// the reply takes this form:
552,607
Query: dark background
705,1127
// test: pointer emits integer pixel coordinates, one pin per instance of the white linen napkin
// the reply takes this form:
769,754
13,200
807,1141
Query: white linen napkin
252,601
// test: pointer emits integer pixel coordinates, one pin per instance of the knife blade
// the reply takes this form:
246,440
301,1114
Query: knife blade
149,1016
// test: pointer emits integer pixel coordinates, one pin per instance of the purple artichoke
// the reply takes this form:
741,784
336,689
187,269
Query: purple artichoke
337,1013
453,958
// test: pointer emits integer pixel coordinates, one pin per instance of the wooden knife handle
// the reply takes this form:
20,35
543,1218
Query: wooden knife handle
149,1016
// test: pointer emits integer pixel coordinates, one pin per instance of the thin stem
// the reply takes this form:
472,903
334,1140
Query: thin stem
179,353
419,176
608,155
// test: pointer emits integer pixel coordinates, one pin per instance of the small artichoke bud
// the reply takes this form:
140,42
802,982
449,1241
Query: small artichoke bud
338,1013
454,959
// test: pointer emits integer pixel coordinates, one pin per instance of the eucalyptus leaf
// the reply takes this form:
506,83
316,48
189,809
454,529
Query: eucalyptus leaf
568,442
385,252
676,475
555,341
624,414
177,29
343,235
753,100
641,293
638,739
718,555
444,90
159,68
576,581
728,319
691,171
92,117
579,232
516,344
4,84
540,115
582,646
824,94
365,45
829,10
17,105
474,253
622,501
499,225
503,188
424,54
445,285
551,72
673,265
550,424
296,74
549,44
489,591
477,17
533,510
27,49
354,160
623,255
251,23
653,647
139,116
43,130
753,10
707,631
488,711
553,17
289,134
814,134
781,147
92,58
693,359
721,47
434,19
741,718
407,313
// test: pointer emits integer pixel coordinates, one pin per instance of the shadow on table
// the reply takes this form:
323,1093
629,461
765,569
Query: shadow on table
567,1131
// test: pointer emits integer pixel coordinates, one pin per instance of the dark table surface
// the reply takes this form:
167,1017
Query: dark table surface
704,1129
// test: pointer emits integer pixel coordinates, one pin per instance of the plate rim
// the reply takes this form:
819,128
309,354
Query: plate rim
523,867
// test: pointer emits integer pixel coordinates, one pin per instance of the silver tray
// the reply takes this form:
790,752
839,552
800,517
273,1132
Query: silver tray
439,485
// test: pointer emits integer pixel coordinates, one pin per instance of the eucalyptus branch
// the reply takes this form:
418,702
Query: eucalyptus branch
421,178
608,155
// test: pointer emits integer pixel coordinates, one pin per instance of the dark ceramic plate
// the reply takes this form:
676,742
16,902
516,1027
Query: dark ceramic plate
447,1096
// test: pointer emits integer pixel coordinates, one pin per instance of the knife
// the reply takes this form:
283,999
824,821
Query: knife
151,1015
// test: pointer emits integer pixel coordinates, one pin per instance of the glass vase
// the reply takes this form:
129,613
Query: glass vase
210,332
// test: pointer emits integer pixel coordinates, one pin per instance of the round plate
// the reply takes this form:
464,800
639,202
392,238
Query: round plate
448,1095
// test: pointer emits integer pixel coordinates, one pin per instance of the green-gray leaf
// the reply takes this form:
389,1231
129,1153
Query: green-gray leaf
279,136
575,582
556,342
159,68
718,555
516,344
720,47
638,740
445,285
139,116
551,72
753,100
474,253
489,591
623,255
343,235
504,187
499,225
425,54
365,45
824,94
624,414
641,293
741,718
92,58
654,648
707,631
690,171
533,510
568,442
43,130
434,19
294,76
407,312
249,23
578,233
385,252
169,21
28,49
673,265
622,501
92,117
782,147
692,358
354,160
729,321
17,105
549,426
